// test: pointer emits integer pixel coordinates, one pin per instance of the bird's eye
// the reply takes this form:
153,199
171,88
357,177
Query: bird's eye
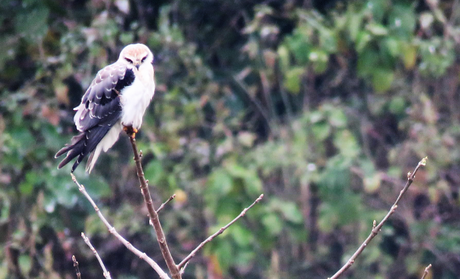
129,60
143,59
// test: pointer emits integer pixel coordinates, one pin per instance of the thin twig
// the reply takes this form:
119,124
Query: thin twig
182,264
112,230
101,263
376,228
425,273
153,215
163,204
75,265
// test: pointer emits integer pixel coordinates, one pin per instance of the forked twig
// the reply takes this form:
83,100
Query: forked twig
184,262
425,273
101,263
153,215
166,202
376,228
113,231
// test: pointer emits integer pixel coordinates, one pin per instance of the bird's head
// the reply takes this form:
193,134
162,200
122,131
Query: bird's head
136,55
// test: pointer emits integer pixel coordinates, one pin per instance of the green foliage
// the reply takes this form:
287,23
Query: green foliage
323,107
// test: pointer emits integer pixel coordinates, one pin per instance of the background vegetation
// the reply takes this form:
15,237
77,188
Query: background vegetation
323,106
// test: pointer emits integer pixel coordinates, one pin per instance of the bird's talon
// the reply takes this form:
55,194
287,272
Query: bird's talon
131,131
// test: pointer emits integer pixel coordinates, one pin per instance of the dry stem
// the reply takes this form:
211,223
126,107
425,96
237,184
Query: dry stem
112,230
184,262
75,265
101,263
425,273
376,228
153,215
163,204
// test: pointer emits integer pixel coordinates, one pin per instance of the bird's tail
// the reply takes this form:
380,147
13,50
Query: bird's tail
81,145
108,141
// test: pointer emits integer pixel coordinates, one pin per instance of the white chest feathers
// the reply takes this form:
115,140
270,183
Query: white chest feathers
136,97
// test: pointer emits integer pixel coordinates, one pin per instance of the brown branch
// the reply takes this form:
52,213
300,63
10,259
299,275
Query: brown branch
153,215
101,263
112,230
75,265
376,228
425,273
163,204
184,262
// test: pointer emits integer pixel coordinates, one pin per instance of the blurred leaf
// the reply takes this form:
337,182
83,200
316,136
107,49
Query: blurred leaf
337,118
292,79
299,46
5,205
319,59
3,269
378,8
253,185
409,55
402,20
25,263
377,29
273,224
291,212
283,54
372,182
321,130
368,62
224,252
245,259
355,19
220,183
242,236
154,172
316,116
382,79
426,19
32,23
347,144
397,105
393,46
327,218
27,186
362,40
246,139
49,202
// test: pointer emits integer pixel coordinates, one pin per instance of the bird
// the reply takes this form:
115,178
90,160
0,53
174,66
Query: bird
116,100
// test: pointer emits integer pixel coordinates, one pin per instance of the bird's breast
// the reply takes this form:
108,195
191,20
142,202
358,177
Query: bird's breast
135,100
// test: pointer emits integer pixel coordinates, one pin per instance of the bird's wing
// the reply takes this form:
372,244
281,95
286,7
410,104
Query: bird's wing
98,111
101,100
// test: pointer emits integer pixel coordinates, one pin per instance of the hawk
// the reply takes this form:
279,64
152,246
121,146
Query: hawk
116,100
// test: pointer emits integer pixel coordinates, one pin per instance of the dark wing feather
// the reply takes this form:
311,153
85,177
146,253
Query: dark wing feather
101,99
84,143
99,110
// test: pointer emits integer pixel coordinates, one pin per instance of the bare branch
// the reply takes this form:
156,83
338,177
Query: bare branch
376,228
163,204
184,262
112,230
101,263
425,273
75,265
173,269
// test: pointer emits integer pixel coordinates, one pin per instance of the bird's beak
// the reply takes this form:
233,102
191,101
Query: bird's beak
137,65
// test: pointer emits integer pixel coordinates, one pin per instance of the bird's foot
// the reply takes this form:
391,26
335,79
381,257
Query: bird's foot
130,131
